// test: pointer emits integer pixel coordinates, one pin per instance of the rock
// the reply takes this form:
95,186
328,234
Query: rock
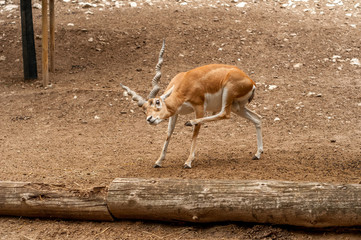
336,58
355,61
2,58
71,24
297,65
241,4
277,119
87,5
11,7
133,4
271,87
91,39
309,94
37,5
148,3
338,2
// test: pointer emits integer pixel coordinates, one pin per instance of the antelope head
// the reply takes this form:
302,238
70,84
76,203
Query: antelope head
155,108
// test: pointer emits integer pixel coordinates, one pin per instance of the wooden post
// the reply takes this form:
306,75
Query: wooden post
52,35
276,202
46,201
45,62
27,30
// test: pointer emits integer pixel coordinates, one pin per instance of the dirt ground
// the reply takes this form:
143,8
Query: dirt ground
83,132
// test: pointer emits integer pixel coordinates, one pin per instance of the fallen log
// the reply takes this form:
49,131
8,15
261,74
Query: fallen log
276,202
50,201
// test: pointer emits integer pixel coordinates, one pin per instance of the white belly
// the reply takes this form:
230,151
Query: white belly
213,101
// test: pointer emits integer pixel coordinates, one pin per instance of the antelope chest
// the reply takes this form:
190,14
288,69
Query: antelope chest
186,108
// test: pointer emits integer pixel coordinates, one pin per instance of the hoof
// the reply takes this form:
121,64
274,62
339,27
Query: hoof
255,158
188,123
186,166
157,166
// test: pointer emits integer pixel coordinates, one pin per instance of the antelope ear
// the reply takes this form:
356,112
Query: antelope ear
167,94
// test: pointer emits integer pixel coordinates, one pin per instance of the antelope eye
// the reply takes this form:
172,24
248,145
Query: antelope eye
157,102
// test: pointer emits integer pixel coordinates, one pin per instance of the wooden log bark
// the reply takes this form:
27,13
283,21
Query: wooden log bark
45,201
52,36
276,202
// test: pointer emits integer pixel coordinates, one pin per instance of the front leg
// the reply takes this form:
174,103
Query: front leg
188,163
171,125
199,110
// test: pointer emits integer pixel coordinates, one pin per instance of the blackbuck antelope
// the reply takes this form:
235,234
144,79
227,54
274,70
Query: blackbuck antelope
220,89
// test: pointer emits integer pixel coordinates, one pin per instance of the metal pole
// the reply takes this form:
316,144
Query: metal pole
27,32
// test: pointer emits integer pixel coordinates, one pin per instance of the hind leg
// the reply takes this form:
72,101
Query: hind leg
242,111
